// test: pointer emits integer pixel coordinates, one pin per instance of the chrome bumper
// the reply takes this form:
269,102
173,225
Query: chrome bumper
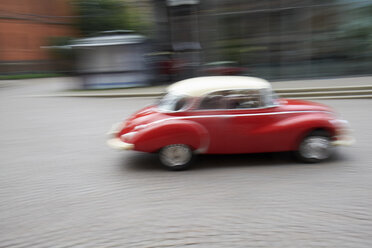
116,143
344,137
344,141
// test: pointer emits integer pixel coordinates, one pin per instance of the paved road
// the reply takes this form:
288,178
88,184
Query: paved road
62,187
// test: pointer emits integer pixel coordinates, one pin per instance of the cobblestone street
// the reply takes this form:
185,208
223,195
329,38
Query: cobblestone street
61,186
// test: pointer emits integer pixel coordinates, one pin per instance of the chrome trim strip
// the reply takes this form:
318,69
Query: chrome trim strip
234,115
227,109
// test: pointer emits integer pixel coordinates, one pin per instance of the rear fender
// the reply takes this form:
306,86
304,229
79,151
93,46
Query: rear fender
303,125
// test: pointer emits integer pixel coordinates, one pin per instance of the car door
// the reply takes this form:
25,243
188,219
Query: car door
251,125
210,113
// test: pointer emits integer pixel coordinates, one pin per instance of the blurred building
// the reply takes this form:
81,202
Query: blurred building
271,38
112,59
177,32
25,26
274,39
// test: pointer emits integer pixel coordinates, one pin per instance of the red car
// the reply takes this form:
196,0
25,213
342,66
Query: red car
227,115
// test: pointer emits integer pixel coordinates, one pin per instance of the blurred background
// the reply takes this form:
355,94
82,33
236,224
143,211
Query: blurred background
121,43
61,186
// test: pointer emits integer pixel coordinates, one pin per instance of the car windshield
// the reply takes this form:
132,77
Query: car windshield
269,97
172,102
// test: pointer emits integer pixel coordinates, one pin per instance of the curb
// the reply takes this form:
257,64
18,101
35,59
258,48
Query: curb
320,89
331,97
326,93
104,95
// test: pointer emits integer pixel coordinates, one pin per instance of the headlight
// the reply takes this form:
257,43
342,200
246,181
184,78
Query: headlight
340,123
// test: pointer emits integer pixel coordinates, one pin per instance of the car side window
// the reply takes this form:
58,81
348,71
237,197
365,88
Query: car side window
236,99
213,101
244,99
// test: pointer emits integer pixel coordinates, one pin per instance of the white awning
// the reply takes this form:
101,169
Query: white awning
181,2
109,40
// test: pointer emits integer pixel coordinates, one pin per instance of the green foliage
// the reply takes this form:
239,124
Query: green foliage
236,49
103,15
29,76
357,30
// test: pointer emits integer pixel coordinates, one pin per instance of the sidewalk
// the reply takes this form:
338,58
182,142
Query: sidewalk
327,82
319,88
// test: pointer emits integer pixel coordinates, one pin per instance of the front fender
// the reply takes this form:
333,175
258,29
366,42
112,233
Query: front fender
302,125
168,132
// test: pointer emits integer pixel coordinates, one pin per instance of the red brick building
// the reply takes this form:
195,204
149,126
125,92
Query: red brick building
26,26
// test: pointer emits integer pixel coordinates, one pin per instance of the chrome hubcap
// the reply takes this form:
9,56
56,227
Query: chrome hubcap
315,147
175,155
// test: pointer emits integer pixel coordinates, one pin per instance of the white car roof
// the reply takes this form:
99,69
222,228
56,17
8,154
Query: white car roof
201,86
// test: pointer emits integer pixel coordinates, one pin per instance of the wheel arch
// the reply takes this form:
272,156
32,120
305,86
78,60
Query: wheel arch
330,132
186,132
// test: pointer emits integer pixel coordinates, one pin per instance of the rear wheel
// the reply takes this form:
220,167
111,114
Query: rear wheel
176,156
315,147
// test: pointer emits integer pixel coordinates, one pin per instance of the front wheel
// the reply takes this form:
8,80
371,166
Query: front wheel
176,156
314,148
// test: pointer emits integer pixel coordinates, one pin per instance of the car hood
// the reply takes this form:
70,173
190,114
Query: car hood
301,105
142,117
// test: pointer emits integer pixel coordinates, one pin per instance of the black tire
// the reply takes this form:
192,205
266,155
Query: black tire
315,147
176,157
